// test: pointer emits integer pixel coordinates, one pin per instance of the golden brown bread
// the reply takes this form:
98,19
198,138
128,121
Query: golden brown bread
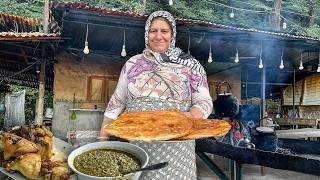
150,125
207,128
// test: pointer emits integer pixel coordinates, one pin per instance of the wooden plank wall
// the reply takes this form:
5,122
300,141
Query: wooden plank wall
310,94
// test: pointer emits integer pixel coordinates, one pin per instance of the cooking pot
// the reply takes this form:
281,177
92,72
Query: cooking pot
265,138
226,104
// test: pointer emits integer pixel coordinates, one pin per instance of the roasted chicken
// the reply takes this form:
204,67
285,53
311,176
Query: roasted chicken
28,164
60,171
14,146
28,150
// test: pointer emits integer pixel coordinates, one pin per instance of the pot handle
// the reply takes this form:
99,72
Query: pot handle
219,87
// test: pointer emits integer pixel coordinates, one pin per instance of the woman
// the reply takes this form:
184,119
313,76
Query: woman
162,78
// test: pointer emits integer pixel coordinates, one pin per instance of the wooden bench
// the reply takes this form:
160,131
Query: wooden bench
304,133
296,122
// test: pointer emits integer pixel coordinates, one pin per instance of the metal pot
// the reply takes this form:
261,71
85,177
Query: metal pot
265,138
226,104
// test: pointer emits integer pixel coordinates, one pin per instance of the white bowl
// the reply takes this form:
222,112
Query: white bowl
127,147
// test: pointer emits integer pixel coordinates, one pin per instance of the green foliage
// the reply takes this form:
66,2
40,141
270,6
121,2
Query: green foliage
295,11
28,8
313,31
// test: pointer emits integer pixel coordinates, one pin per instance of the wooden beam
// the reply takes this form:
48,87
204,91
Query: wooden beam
31,39
15,54
24,55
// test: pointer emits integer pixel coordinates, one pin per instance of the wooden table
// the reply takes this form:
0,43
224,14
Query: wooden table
304,133
296,122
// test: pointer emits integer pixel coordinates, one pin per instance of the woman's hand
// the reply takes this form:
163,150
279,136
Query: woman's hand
194,113
103,135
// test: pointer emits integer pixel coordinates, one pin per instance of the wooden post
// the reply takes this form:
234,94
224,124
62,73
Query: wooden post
42,81
46,16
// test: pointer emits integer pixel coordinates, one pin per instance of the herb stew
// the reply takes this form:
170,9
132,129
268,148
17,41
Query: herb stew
106,163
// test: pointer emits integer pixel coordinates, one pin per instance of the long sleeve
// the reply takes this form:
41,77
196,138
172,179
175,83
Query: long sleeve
200,95
117,101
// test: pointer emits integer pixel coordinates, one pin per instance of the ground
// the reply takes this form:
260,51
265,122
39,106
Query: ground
250,172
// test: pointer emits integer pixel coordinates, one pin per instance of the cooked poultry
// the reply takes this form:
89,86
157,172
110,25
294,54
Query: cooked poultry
46,169
28,164
60,171
32,148
1,143
44,145
15,146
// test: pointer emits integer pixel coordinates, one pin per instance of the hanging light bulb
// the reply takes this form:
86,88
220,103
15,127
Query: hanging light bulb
236,60
301,64
37,69
123,52
281,66
170,2
284,25
86,47
231,14
260,64
318,70
189,44
260,61
210,55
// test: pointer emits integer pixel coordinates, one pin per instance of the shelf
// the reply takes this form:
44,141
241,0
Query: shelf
89,110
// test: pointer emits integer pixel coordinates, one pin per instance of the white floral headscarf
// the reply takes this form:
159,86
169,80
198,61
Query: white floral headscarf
173,54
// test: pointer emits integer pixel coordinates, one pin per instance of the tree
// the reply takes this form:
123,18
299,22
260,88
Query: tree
277,17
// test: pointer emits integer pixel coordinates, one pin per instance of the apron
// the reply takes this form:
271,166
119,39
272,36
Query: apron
180,154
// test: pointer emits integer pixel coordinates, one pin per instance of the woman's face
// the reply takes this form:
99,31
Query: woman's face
159,36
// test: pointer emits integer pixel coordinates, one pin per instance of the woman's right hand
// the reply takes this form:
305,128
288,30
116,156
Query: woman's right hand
103,135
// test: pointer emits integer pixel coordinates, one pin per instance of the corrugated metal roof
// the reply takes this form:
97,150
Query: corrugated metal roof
32,36
86,6
9,22
19,28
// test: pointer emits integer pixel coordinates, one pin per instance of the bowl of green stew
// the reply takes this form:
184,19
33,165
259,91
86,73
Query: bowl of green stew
107,160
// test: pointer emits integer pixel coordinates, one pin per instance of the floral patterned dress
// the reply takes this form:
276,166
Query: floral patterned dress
145,84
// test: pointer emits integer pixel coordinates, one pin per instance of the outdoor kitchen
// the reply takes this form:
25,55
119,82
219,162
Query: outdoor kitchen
263,90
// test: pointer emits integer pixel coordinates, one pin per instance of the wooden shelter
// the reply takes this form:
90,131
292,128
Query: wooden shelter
26,55
87,81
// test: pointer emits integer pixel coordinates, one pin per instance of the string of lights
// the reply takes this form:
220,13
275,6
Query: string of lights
270,9
265,11
237,8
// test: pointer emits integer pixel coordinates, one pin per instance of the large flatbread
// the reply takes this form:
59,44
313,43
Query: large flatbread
207,128
150,125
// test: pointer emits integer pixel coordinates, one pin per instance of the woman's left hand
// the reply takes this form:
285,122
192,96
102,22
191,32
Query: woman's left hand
194,113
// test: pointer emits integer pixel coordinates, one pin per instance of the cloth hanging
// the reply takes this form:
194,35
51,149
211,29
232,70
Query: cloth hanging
14,115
